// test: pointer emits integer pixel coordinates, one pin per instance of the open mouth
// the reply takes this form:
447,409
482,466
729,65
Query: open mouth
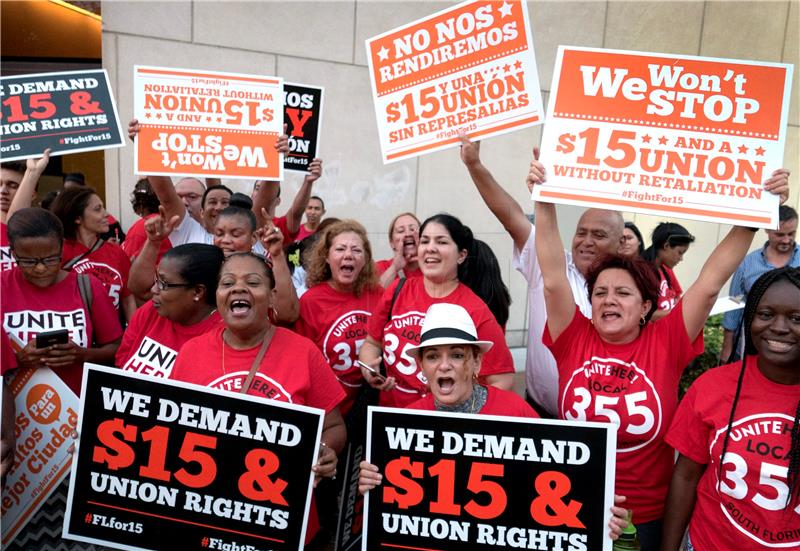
610,316
445,384
240,307
347,269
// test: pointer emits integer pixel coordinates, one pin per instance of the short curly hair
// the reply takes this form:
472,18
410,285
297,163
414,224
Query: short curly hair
642,272
320,272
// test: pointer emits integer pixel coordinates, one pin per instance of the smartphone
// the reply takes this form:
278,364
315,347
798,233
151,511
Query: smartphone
49,338
372,370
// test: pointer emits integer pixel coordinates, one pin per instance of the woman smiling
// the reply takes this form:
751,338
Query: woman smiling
84,218
451,265
737,431
248,354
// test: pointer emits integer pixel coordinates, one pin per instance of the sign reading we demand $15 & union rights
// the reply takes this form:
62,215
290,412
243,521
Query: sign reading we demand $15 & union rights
168,465
67,112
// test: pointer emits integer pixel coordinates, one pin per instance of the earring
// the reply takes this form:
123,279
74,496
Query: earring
273,314
196,298
642,321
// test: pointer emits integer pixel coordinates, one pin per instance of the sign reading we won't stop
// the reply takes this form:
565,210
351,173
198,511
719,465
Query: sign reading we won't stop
203,123
681,136
484,480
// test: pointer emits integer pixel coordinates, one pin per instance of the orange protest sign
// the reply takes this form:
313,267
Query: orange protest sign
468,68
201,123
47,413
687,137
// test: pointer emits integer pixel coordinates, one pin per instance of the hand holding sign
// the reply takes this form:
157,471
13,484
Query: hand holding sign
486,480
187,463
68,112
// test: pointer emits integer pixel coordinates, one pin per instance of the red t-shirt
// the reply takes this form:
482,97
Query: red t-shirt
403,331
136,238
151,342
669,290
634,386
109,264
303,233
6,258
337,323
748,511
280,223
28,310
498,402
292,370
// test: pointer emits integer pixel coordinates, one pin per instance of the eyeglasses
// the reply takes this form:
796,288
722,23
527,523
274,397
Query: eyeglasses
164,285
46,261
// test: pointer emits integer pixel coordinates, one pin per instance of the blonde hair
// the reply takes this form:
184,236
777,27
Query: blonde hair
320,272
398,217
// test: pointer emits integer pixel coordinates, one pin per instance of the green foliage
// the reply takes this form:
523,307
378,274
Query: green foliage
712,333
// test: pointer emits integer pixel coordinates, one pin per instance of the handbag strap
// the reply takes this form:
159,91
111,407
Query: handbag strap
97,244
257,361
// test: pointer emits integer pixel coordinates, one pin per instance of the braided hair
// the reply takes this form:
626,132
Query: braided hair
754,297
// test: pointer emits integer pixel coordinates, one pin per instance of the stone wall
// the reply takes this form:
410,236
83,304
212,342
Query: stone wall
322,43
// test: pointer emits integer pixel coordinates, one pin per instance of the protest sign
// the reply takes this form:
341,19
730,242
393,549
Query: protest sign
68,112
302,112
203,123
680,136
169,465
468,68
47,413
483,480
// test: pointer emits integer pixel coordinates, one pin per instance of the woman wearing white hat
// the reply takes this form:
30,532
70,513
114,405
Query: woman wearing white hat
449,354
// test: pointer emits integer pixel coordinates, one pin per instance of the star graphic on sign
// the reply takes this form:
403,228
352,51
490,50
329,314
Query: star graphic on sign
383,53
518,65
646,138
208,119
743,149
507,68
760,150
662,140
505,9
147,116
219,119
158,115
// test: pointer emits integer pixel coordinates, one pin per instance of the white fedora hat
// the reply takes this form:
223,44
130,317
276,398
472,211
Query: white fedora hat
448,324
